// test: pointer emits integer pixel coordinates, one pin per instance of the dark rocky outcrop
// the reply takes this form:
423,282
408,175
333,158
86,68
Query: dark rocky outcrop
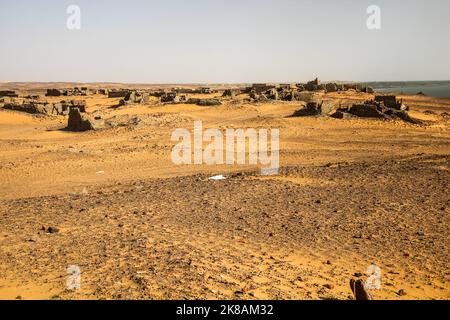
312,85
331,87
206,90
272,94
157,93
230,93
403,114
39,107
367,90
135,97
83,91
391,102
8,93
54,93
353,86
338,114
378,109
311,109
261,87
42,108
209,102
366,110
258,97
118,93
204,102
173,97
77,122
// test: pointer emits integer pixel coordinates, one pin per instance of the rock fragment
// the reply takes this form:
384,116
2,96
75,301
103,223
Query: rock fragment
359,290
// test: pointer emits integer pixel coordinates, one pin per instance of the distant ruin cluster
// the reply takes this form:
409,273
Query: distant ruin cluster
382,107
261,92
8,93
83,91
293,92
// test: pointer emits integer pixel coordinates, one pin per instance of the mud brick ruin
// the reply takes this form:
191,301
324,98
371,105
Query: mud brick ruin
391,102
230,93
311,109
383,107
173,97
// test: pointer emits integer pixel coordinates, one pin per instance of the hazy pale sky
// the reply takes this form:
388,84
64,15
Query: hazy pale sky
217,41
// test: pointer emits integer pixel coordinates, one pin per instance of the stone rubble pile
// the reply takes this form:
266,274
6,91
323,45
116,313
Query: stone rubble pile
8,93
173,97
83,91
291,92
135,97
383,107
77,122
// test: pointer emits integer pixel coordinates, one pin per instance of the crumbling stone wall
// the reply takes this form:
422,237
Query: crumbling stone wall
118,93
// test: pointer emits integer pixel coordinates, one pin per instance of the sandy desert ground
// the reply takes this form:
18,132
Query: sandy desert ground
351,192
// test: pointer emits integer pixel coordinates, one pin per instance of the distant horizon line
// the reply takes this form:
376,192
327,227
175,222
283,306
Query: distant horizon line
219,83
